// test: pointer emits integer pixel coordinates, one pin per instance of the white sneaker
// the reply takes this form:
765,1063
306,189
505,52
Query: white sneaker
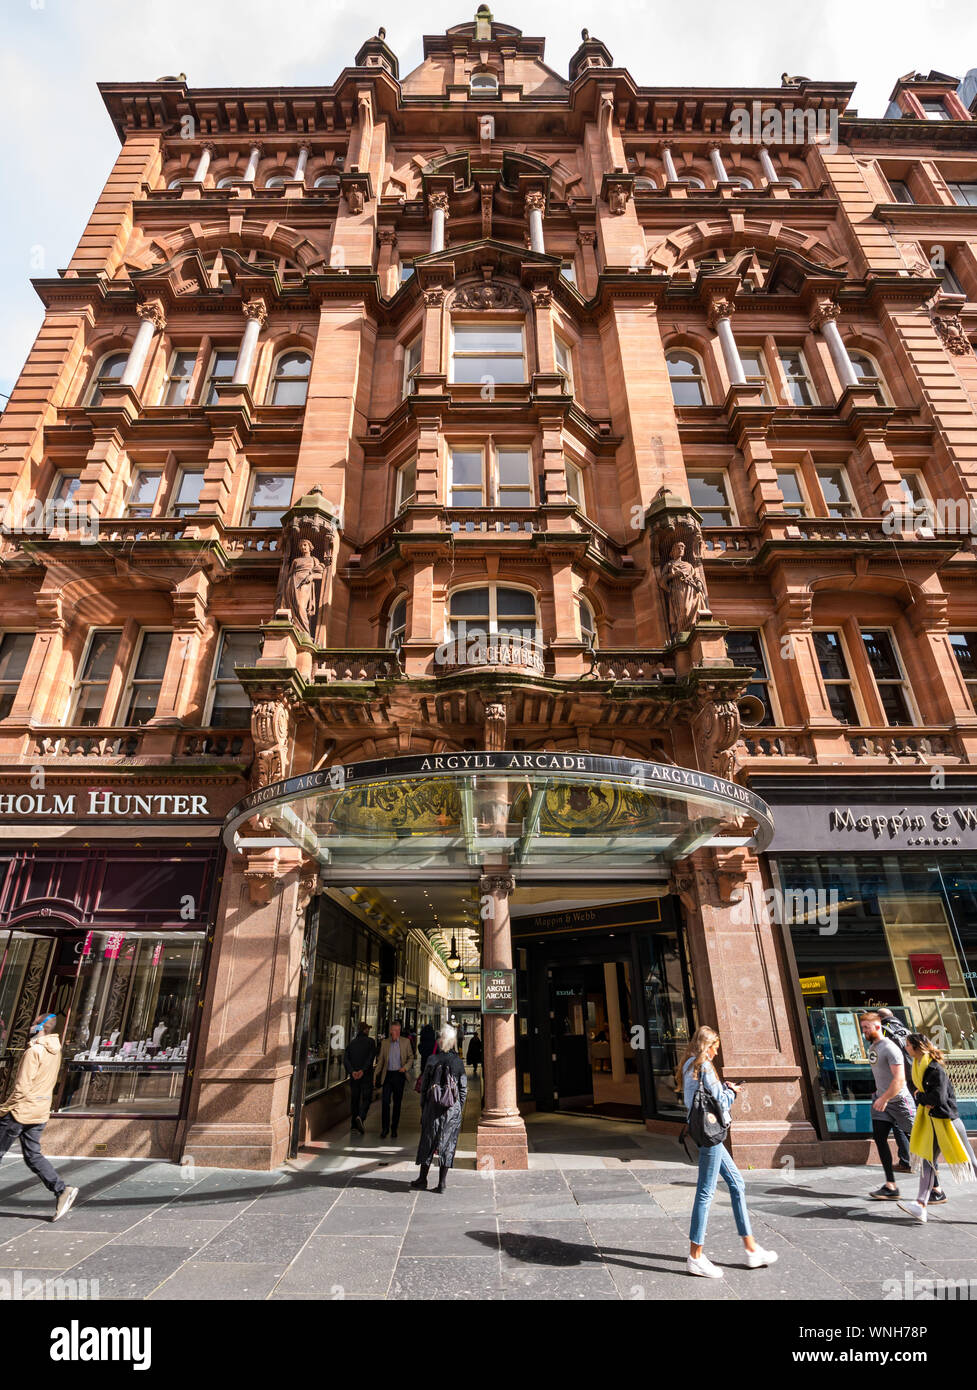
66,1201
700,1265
756,1259
917,1210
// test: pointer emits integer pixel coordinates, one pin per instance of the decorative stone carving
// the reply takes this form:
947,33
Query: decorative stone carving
824,310
685,590
152,311
535,202
434,298
303,581
256,309
951,334
617,198
720,309
307,544
496,883
495,726
543,298
491,295
439,200
270,721
719,729
355,199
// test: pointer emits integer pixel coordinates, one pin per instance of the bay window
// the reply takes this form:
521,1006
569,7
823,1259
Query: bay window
229,706
146,681
492,351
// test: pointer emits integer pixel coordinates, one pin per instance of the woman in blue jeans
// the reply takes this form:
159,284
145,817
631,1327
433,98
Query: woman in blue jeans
714,1160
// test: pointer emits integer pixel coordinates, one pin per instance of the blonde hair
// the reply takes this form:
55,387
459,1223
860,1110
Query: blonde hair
699,1044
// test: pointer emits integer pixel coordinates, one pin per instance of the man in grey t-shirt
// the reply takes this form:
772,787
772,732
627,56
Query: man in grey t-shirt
892,1105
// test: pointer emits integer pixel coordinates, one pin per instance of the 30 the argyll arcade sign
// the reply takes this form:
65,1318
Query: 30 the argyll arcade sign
102,803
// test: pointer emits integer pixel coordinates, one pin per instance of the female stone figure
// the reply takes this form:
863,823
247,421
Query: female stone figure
301,587
685,591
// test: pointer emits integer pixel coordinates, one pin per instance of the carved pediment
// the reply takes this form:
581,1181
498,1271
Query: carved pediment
488,294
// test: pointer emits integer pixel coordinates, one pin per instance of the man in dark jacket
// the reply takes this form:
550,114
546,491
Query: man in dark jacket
425,1044
359,1058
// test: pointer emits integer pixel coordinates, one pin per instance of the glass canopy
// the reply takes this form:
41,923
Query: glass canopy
572,814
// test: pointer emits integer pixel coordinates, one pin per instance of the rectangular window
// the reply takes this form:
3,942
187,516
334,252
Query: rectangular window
406,271
965,194
575,484
230,707
131,1015
746,649
146,681
789,482
935,110
142,494
271,496
96,671
513,483
564,362
176,385
412,365
492,350
800,390
900,191
889,679
964,646
221,373
709,494
836,492
406,484
569,272
755,370
186,497
837,680
949,283
15,648
467,486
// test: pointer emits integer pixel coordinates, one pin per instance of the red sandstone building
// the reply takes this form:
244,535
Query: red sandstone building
549,499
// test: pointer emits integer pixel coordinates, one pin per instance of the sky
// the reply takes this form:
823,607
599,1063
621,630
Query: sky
59,144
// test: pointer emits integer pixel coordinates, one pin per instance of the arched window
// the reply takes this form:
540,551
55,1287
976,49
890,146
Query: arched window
276,181
692,180
178,183
687,378
492,611
229,181
588,624
483,83
789,180
397,624
290,379
644,184
740,181
108,371
327,181
867,371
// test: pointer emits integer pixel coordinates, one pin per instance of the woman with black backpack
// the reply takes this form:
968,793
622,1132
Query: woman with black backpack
444,1086
708,1100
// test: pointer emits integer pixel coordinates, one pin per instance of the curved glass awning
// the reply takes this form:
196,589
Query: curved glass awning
572,814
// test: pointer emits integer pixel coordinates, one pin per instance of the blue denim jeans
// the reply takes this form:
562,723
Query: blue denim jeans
30,1147
713,1162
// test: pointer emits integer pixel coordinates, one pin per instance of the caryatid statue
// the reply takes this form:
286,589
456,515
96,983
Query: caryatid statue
307,547
303,581
685,590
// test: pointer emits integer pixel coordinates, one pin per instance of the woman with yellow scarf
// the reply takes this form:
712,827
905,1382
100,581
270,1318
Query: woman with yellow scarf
938,1128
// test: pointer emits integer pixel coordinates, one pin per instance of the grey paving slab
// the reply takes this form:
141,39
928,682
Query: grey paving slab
563,1284
202,1208
50,1247
445,1236
12,1226
553,1245
260,1239
549,1211
129,1271
199,1280
338,1265
657,1282
425,1277
103,1216
190,1235
365,1221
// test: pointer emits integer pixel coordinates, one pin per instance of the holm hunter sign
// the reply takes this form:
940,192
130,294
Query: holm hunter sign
102,803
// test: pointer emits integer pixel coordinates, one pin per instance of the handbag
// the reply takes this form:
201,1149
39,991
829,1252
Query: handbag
443,1093
707,1123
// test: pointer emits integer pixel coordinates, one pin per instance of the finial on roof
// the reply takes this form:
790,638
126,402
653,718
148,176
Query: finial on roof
585,35
381,33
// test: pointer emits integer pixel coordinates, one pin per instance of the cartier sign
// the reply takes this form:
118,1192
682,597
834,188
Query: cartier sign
102,803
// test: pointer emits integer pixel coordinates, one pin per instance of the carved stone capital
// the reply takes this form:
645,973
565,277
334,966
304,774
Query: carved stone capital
439,200
719,308
535,202
951,334
152,312
257,310
210,147
823,312
503,885
387,236
543,298
586,238
434,298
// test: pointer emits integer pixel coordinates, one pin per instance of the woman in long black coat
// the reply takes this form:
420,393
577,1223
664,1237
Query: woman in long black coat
440,1128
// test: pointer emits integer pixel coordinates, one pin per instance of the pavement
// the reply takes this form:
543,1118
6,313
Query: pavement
601,1213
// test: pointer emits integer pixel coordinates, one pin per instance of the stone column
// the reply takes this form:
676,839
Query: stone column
251,172
256,313
587,241
767,165
535,203
300,163
501,1141
671,173
439,217
153,322
720,313
718,167
824,318
203,163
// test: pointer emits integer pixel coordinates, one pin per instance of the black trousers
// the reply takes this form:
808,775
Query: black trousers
30,1147
393,1086
360,1095
882,1126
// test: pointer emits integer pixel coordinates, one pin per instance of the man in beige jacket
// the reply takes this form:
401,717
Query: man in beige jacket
395,1059
27,1109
